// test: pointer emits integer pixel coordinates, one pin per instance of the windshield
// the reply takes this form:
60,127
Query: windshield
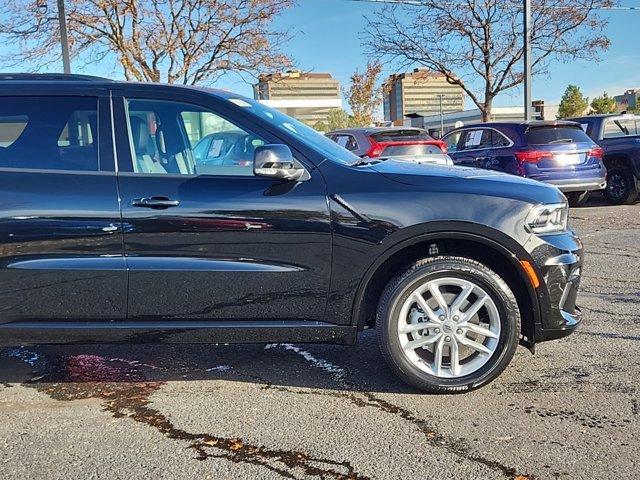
327,147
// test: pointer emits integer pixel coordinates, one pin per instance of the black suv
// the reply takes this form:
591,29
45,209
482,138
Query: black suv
619,136
112,230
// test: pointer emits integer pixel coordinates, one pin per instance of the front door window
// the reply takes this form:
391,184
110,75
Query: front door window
178,138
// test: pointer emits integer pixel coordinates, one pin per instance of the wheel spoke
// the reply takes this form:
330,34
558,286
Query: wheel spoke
434,288
425,307
460,299
437,357
421,342
473,309
414,327
477,346
455,360
485,332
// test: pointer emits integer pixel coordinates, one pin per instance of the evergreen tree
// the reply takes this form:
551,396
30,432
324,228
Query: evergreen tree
604,104
573,103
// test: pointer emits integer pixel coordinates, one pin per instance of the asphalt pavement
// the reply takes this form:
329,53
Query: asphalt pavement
572,410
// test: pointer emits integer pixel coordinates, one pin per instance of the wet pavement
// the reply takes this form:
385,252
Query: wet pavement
572,410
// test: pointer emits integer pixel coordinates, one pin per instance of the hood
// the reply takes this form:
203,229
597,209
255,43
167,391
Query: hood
468,180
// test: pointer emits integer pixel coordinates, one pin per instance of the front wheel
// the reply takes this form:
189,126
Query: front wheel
448,324
621,188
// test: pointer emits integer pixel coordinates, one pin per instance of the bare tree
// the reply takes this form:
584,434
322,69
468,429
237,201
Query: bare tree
364,94
175,41
478,44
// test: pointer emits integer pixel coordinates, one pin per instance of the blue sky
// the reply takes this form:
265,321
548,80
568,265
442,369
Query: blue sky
327,39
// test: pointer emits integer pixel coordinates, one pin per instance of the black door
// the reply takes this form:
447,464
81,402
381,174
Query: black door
204,237
60,228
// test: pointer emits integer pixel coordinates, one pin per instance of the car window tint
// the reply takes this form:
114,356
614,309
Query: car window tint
11,127
347,141
620,127
57,133
411,150
476,139
400,135
179,138
499,140
452,141
549,134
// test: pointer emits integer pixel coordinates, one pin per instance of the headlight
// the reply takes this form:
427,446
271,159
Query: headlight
548,218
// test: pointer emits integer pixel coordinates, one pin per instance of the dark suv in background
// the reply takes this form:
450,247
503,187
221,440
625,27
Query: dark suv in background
559,153
619,136
112,229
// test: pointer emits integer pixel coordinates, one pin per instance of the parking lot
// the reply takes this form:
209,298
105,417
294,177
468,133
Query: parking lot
319,411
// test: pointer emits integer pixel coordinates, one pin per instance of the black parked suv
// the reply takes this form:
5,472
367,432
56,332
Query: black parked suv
619,136
112,231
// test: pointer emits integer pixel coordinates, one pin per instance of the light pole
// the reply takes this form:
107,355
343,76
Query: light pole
527,59
64,39
441,96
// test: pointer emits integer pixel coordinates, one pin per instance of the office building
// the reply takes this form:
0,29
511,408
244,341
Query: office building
419,91
308,97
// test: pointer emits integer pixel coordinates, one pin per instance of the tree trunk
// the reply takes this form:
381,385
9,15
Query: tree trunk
486,108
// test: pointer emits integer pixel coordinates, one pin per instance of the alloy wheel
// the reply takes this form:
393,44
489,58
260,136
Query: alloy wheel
449,327
617,185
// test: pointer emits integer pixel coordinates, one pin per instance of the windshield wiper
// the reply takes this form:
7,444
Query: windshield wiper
561,140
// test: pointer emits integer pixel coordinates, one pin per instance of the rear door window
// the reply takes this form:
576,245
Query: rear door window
11,127
51,133
477,139
546,135
620,127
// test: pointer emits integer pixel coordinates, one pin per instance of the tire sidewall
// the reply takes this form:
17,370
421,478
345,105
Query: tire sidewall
497,290
630,185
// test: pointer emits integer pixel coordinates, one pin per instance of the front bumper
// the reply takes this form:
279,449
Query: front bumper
559,259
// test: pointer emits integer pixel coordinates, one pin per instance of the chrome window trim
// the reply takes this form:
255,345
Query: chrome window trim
466,129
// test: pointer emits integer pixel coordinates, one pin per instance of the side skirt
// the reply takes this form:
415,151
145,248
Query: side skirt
170,332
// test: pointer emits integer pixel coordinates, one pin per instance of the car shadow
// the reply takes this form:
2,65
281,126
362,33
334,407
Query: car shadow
302,366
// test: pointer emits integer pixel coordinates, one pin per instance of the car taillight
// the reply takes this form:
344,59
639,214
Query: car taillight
597,152
442,144
375,150
532,156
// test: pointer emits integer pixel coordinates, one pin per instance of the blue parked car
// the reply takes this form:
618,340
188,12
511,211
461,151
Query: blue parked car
560,153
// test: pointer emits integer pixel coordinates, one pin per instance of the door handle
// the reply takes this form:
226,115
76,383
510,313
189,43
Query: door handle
158,203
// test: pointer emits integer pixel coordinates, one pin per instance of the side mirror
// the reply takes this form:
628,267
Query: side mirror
276,161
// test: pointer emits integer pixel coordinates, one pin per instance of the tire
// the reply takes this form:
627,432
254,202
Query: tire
621,188
412,367
577,199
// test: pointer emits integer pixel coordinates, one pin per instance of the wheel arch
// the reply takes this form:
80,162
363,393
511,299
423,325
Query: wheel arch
479,242
618,158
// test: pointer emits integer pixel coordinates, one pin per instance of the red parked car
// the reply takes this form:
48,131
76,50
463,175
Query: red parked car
397,142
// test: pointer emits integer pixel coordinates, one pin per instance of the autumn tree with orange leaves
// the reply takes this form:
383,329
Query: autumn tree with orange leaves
364,94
